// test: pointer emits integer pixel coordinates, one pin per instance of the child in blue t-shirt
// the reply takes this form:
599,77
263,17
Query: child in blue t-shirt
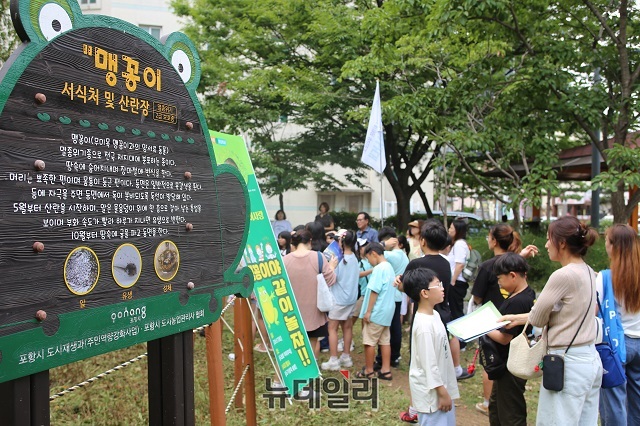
377,312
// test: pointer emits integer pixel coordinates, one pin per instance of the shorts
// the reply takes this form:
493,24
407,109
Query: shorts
340,312
321,331
357,307
375,334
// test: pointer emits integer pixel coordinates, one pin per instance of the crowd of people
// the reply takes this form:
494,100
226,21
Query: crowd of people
386,279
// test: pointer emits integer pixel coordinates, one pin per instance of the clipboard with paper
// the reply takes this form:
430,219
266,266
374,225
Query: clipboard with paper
479,322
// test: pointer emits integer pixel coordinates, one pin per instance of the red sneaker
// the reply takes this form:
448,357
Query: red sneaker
405,416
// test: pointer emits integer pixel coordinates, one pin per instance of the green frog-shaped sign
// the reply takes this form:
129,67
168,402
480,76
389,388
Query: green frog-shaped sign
118,226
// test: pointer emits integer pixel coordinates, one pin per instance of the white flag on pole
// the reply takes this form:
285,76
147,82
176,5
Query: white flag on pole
373,154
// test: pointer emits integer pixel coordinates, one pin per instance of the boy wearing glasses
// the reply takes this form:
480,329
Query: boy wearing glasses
432,378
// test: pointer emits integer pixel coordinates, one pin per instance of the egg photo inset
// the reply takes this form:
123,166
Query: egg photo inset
81,270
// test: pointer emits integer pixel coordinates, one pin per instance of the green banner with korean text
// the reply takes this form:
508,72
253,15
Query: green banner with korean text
291,346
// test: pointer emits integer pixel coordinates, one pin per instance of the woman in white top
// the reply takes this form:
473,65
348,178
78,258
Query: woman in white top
457,258
280,223
621,405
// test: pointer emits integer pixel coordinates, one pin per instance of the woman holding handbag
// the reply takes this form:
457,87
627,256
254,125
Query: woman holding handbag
566,306
302,266
619,295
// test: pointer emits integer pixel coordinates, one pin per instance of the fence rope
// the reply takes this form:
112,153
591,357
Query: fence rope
99,376
235,391
144,355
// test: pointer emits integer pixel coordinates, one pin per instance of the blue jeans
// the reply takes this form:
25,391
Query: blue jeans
620,406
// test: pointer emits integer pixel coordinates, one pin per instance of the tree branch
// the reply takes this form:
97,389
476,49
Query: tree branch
603,22
475,175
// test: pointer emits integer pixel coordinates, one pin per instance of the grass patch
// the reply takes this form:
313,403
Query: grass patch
121,398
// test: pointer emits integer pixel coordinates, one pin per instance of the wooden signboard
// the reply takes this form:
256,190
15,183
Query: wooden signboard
117,224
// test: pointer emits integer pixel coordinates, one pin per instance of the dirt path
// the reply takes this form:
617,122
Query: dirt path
465,416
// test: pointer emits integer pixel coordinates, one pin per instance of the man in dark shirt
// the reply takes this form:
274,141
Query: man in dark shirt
364,230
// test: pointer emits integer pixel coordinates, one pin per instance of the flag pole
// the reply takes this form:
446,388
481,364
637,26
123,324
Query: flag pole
382,155
373,154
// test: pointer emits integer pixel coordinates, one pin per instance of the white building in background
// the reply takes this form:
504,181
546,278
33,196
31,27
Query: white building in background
376,198
156,17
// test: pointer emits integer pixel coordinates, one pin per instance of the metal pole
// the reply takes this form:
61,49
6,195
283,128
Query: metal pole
381,198
595,168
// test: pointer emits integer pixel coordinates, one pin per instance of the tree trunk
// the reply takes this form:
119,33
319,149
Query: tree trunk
516,218
281,200
618,206
425,201
404,214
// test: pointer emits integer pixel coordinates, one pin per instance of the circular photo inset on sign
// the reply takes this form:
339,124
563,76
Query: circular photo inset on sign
126,265
81,270
167,260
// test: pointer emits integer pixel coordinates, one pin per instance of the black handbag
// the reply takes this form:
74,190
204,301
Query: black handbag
553,364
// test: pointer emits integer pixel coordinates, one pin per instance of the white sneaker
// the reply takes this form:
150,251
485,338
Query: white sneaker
345,361
341,345
332,365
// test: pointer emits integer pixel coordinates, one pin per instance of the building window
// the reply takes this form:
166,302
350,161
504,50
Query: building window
154,31
90,4
354,203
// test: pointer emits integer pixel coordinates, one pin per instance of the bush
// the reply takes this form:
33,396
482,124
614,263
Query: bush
347,220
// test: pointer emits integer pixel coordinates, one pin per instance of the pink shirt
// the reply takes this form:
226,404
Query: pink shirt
302,269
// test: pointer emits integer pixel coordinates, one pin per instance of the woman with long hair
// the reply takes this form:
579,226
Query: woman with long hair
457,259
619,294
501,239
319,241
566,306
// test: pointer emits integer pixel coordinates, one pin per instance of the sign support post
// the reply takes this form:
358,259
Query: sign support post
26,400
213,335
246,336
171,391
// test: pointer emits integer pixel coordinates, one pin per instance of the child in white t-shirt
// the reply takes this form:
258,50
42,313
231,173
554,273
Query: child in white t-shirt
432,378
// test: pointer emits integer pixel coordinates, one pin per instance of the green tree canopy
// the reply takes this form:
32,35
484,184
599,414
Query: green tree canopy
553,49
309,63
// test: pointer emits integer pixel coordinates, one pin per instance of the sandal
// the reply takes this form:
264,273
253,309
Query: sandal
362,375
385,376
